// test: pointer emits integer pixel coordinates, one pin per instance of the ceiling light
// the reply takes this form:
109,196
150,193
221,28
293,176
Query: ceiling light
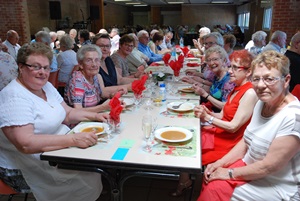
122,0
133,3
175,2
219,1
140,5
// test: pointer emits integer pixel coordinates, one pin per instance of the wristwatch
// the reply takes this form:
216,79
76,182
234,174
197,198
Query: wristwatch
210,121
230,173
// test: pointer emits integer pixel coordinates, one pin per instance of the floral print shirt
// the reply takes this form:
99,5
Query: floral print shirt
8,69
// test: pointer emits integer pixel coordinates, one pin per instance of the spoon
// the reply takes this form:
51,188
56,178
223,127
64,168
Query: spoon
178,106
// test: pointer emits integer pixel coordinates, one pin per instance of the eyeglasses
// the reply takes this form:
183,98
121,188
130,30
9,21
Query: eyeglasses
267,80
235,68
104,46
127,45
209,43
37,68
212,60
91,61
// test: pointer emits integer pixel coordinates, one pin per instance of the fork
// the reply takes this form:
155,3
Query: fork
177,106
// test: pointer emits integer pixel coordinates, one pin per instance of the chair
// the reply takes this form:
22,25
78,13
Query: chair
296,91
53,79
7,190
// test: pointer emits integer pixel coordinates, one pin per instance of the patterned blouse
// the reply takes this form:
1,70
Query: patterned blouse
8,69
79,90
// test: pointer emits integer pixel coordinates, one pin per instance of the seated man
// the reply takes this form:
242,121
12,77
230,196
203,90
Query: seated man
143,37
136,58
259,41
278,41
166,44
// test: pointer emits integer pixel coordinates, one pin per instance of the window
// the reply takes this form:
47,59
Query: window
267,19
243,20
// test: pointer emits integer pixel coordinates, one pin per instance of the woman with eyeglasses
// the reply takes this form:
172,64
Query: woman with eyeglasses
85,88
265,164
227,127
32,120
120,58
110,76
216,60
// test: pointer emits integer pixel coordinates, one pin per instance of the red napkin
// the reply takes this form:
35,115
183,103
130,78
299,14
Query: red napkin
180,58
176,66
166,58
154,64
138,86
192,64
115,108
190,55
185,50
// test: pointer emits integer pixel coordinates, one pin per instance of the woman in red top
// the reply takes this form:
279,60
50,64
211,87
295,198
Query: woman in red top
227,127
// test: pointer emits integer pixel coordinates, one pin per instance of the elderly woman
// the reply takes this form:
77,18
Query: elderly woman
157,41
216,59
226,128
199,44
126,46
107,70
84,89
32,118
265,164
66,60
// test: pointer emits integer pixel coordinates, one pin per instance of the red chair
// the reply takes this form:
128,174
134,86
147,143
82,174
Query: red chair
296,91
7,190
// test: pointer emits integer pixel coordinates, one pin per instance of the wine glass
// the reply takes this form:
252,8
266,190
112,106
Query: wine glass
147,130
113,127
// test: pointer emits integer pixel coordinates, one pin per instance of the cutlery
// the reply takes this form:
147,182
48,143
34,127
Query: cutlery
177,147
177,106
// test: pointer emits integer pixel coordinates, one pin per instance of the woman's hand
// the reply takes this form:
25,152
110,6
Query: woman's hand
188,79
219,174
84,140
103,117
210,169
201,112
199,90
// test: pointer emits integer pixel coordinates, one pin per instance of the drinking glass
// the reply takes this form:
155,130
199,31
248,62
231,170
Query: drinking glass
137,99
114,127
147,130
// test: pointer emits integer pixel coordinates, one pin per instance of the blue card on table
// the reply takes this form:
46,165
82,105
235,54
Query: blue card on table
120,154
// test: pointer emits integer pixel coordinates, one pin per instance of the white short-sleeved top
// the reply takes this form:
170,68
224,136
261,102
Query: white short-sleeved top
259,136
21,107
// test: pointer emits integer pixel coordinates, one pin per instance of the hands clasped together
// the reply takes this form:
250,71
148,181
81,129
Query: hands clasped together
215,171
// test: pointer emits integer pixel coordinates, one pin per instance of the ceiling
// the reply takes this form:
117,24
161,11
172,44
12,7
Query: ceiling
172,2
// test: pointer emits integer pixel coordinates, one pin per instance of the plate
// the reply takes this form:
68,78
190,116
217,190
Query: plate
173,134
186,89
183,108
91,126
192,59
128,101
160,62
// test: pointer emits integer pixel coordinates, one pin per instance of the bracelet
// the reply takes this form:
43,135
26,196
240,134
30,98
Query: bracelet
207,96
230,173
210,121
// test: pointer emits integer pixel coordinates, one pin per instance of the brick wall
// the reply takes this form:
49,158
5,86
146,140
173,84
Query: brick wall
14,15
286,17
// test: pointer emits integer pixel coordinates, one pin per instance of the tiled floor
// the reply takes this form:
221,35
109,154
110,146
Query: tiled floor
139,189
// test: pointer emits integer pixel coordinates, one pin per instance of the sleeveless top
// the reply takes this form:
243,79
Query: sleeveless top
109,79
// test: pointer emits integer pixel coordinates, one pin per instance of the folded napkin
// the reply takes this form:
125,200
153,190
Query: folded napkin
192,64
180,58
185,50
154,64
138,86
190,55
176,66
166,58
115,108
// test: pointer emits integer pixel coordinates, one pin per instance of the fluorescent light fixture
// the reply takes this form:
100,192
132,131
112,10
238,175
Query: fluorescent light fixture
140,5
175,2
122,0
219,1
133,3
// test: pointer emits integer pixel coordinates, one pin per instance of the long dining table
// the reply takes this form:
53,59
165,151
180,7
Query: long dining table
123,156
